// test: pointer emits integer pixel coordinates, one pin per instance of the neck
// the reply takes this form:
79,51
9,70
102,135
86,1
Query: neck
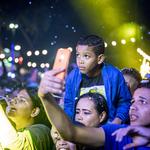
23,123
95,71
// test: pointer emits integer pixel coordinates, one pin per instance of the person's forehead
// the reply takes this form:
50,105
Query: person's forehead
84,48
142,92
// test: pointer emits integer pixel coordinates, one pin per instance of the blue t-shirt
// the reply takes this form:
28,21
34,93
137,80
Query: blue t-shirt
110,142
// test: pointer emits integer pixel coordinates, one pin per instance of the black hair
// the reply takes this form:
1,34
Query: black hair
99,102
93,41
41,118
133,73
144,84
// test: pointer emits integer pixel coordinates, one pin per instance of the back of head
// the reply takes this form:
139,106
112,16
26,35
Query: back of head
133,73
93,41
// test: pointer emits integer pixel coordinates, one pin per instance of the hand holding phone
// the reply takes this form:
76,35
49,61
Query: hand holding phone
62,61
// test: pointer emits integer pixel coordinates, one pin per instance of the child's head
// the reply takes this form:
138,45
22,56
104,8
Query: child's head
90,54
91,110
132,78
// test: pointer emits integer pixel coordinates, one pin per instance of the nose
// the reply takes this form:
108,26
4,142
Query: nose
13,101
133,107
79,117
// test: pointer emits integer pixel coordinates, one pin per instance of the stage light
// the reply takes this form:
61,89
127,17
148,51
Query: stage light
123,41
34,64
42,65
36,52
2,56
17,47
29,64
106,44
132,39
44,52
10,59
114,43
29,53
11,25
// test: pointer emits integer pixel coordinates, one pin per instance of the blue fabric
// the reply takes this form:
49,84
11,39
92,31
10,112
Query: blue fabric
110,142
117,93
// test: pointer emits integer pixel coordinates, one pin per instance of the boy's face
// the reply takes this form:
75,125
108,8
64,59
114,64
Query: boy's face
140,108
86,59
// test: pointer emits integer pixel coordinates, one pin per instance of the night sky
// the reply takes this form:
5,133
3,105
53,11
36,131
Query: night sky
51,24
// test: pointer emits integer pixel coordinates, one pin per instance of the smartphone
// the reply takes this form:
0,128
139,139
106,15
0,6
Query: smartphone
62,61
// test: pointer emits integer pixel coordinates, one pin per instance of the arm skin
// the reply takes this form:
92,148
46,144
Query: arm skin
68,131
140,135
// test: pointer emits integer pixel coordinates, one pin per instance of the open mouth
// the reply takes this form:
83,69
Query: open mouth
133,117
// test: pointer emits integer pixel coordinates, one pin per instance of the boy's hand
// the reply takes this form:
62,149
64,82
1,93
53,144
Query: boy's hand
50,83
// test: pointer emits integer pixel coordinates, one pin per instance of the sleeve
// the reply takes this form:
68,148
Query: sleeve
68,99
124,100
9,137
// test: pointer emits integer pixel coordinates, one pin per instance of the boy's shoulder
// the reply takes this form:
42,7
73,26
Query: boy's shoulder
110,67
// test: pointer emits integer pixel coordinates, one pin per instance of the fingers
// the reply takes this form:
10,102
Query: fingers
51,84
120,133
131,145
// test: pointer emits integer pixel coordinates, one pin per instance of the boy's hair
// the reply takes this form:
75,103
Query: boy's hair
133,73
93,41
99,102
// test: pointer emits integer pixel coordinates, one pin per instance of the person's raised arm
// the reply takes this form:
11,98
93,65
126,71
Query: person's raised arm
68,131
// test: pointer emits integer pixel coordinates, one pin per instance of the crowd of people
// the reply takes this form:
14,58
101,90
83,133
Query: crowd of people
103,107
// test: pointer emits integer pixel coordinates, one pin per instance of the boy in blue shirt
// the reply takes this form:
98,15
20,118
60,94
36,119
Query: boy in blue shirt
93,75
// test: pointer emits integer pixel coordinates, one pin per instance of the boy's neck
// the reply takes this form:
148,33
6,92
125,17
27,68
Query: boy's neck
95,72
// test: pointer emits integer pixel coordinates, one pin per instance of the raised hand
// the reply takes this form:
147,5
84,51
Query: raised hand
140,135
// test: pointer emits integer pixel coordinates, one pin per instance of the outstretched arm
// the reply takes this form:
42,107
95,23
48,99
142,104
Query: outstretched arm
68,131
140,135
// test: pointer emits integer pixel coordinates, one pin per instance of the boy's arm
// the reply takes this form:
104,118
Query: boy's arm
69,132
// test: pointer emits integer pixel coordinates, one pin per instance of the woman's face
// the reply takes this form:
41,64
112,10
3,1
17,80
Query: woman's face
86,113
20,107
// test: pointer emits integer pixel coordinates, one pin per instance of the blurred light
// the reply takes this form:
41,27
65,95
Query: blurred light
13,75
132,39
123,41
16,60
114,43
44,52
29,53
2,56
16,26
10,59
11,25
47,65
105,44
142,53
20,60
34,64
17,47
6,50
29,64
42,65
36,52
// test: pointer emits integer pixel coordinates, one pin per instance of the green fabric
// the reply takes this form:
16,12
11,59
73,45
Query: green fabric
35,137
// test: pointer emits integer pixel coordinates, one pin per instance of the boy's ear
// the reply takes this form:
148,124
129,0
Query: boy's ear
35,112
101,58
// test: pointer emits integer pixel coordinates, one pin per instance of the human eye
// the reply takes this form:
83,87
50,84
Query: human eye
87,56
87,112
143,101
77,55
77,112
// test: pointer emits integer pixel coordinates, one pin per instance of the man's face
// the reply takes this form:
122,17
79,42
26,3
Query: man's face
140,108
20,107
86,59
